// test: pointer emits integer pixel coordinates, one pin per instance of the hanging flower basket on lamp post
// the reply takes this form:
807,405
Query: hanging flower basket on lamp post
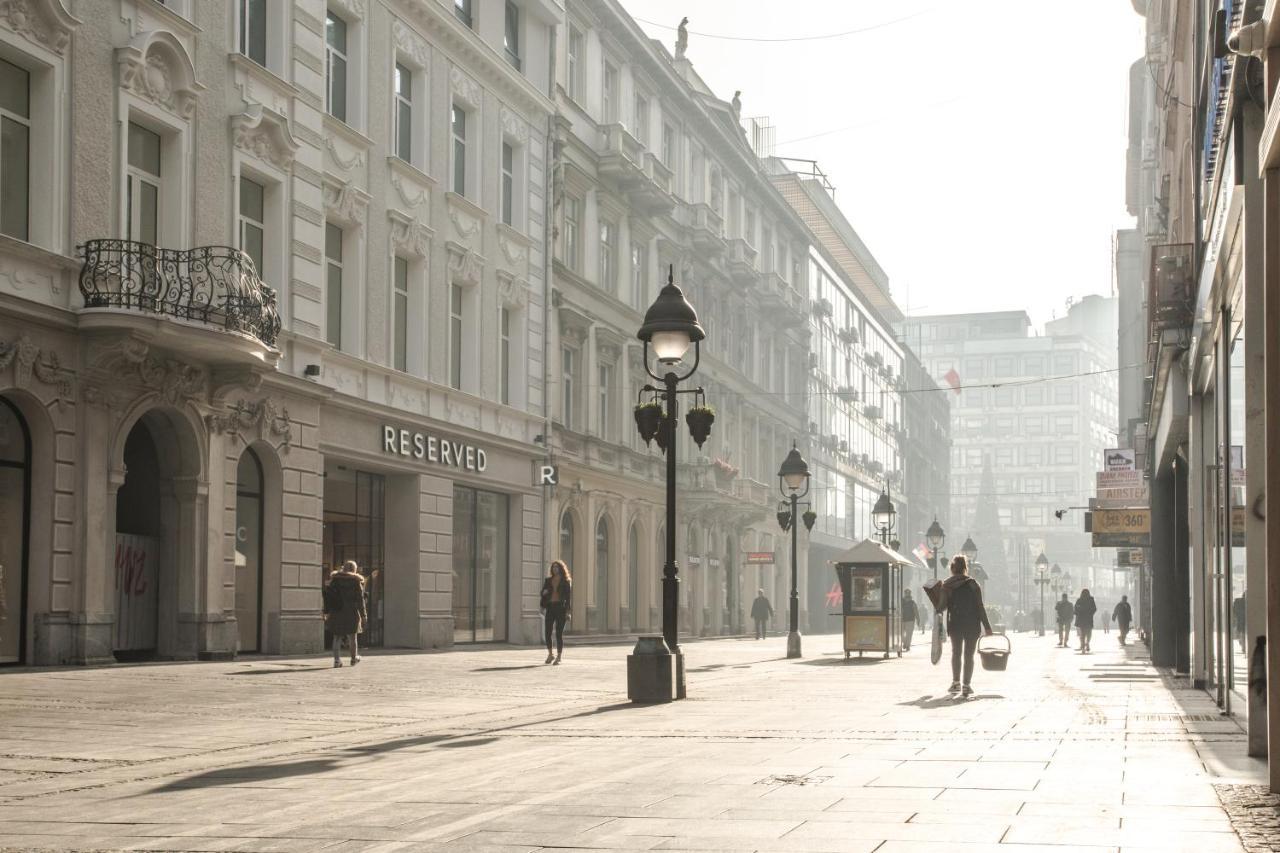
648,420
700,419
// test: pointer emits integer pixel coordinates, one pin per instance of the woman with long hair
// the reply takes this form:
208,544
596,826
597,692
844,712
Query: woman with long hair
556,601
966,621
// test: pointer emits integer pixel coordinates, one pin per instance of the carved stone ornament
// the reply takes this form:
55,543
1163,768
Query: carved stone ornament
466,88
346,203
410,43
44,22
155,67
409,236
465,266
352,9
30,360
512,250
355,161
514,126
464,224
262,415
264,133
512,292
175,380
412,199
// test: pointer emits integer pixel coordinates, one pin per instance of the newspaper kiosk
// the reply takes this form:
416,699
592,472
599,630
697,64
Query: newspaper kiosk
870,576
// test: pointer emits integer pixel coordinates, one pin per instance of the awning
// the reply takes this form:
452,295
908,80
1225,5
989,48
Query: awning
871,551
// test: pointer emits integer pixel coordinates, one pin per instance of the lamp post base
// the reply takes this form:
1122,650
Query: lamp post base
793,644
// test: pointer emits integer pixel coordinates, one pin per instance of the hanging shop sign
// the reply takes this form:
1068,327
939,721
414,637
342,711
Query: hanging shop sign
1121,540
434,449
1130,520
1132,495
1119,479
759,558
1120,459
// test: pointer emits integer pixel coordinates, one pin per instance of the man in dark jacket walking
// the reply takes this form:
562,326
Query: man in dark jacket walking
344,610
761,612
966,621
1065,612
909,616
1123,614
1084,610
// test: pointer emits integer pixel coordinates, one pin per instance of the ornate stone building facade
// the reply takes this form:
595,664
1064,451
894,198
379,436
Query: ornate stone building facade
275,299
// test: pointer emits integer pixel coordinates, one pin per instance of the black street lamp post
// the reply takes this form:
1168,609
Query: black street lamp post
793,475
671,327
1042,578
883,516
936,537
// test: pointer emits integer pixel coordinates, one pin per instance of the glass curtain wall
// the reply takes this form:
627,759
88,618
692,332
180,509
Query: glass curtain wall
480,565
354,529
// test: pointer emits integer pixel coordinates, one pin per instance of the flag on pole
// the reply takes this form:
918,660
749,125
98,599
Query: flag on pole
953,379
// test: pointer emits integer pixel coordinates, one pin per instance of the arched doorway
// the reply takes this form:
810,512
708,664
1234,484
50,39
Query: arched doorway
137,558
600,591
248,556
633,576
15,524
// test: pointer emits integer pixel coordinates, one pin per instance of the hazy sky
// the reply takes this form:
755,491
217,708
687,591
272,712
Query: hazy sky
976,146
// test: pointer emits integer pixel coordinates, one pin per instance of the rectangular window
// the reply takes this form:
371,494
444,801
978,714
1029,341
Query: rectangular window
459,128
143,189
253,30
504,356
455,335
572,233
573,71
335,66
642,119
668,145
609,94
462,8
15,150
608,256
508,183
333,284
404,113
252,221
1064,455
639,276
567,385
400,348
605,421
511,35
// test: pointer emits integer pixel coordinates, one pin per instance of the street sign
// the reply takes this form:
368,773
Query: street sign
1131,520
1135,495
1119,479
759,558
1120,459
1121,540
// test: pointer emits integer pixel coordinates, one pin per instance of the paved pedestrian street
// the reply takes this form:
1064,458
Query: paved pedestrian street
490,750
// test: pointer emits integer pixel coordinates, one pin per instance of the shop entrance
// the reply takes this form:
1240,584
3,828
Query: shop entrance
249,551
137,555
15,512
354,505
480,565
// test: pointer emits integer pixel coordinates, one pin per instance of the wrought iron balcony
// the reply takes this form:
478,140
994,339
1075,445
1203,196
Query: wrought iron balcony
213,285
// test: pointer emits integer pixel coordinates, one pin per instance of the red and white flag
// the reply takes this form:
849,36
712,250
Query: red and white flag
953,379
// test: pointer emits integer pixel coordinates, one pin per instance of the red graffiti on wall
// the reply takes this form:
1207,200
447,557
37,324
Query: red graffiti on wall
131,569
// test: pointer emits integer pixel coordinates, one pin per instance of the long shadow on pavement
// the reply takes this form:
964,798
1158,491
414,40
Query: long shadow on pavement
929,703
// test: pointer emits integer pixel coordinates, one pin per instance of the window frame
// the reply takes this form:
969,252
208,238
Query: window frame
334,235
457,330
246,31
575,45
604,400
572,246
342,55
464,11
26,122
569,360
504,355
401,273
402,103
139,176
607,270
511,21
610,91
458,148
507,183
246,222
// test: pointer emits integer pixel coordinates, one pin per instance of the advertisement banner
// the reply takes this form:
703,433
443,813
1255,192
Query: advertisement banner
1131,520
1121,540
1120,459
759,558
1135,495
1119,479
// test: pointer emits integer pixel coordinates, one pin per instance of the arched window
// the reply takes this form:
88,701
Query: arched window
566,538
601,592
633,576
15,508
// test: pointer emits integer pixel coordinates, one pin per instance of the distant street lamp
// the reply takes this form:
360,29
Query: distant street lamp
969,550
671,327
793,475
935,537
1042,579
883,515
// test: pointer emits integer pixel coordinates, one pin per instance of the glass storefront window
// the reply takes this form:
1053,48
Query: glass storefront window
480,565
15,459
354,529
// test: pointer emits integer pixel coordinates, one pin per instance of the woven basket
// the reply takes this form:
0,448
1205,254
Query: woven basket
996,659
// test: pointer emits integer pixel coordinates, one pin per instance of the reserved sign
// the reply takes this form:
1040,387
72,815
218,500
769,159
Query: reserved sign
430,448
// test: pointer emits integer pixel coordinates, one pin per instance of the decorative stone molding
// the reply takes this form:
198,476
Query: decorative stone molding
608,351
355,161
264,133
352,9
462,414
465,266
412,200
514,252
29,360
464,224
223,381
466,88
176,381
409,236
263,415
43,22
514,126
512,292
410,43
156,67
346,203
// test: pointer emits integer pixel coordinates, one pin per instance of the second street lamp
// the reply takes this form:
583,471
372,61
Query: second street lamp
671,327
883,516
936,537
969,550
1042,578
792,476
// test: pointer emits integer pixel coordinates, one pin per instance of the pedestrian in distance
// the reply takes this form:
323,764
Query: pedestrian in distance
1123,614
1237,624
344,610
556,602
966,622
761,612
1085,608
1064,612
910,615
1106,620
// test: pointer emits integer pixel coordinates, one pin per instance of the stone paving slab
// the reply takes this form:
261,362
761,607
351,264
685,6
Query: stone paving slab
486,750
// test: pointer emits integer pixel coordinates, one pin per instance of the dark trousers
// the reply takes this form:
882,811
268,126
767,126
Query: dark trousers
555,618
761,628
908,628
1064,633
962,647
1124,631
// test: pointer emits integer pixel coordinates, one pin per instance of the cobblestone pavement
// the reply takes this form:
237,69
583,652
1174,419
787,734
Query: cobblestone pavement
1255,814
490,750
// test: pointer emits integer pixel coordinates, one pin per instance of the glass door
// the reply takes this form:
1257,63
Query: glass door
354,529
15,460
480,565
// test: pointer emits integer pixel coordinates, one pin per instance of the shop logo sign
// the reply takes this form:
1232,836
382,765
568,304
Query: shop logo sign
441,451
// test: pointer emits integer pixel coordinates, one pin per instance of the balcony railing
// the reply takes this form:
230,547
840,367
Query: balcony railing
214,285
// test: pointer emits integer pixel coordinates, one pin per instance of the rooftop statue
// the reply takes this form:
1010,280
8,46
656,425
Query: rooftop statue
682,38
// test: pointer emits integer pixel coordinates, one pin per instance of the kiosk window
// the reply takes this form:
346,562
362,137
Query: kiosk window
866,592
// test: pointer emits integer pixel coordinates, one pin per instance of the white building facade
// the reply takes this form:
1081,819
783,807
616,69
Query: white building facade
275,299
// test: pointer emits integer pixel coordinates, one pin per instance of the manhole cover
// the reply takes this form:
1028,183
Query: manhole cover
793,780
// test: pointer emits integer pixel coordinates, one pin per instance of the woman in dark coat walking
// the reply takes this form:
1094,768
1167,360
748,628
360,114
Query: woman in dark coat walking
344,610
966,621
556,601
1084,610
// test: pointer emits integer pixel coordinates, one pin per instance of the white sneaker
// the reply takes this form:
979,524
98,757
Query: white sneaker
337,664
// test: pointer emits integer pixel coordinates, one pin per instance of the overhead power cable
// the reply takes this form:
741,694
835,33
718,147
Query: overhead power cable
819,37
